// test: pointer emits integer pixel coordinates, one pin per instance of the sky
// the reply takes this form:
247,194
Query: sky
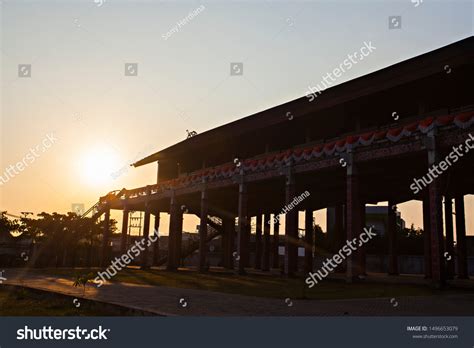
72,88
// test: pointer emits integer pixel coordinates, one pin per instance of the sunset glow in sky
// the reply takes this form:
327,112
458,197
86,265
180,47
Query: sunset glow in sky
104,120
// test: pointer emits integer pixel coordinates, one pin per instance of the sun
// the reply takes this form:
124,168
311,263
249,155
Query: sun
97,166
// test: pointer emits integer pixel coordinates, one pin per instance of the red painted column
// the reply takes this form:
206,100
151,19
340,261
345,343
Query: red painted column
242,229
203,263
448,215
291,229
276,241
266,243
353,217
309,241
105,259
123,239
258,242
461,237
427,237
392,239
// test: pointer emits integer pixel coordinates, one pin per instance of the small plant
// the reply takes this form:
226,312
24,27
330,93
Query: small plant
82,280
21,294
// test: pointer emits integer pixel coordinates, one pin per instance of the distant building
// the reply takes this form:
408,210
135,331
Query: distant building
375,215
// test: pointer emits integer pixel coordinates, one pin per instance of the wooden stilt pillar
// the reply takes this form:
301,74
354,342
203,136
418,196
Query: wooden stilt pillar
258,242
339,234
438,273
362,251
224,245
146,240
179,237
461,237
156,245
392,239
243,228
123,239
266,243
248,238
203,263
448,216
309,241
228,224
427,237
174,211
291,228
276,241
105,259
353,223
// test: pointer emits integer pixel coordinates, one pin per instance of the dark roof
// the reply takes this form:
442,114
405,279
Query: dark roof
460,52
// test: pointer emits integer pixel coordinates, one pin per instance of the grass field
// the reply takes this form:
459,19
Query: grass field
25,302
258,285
